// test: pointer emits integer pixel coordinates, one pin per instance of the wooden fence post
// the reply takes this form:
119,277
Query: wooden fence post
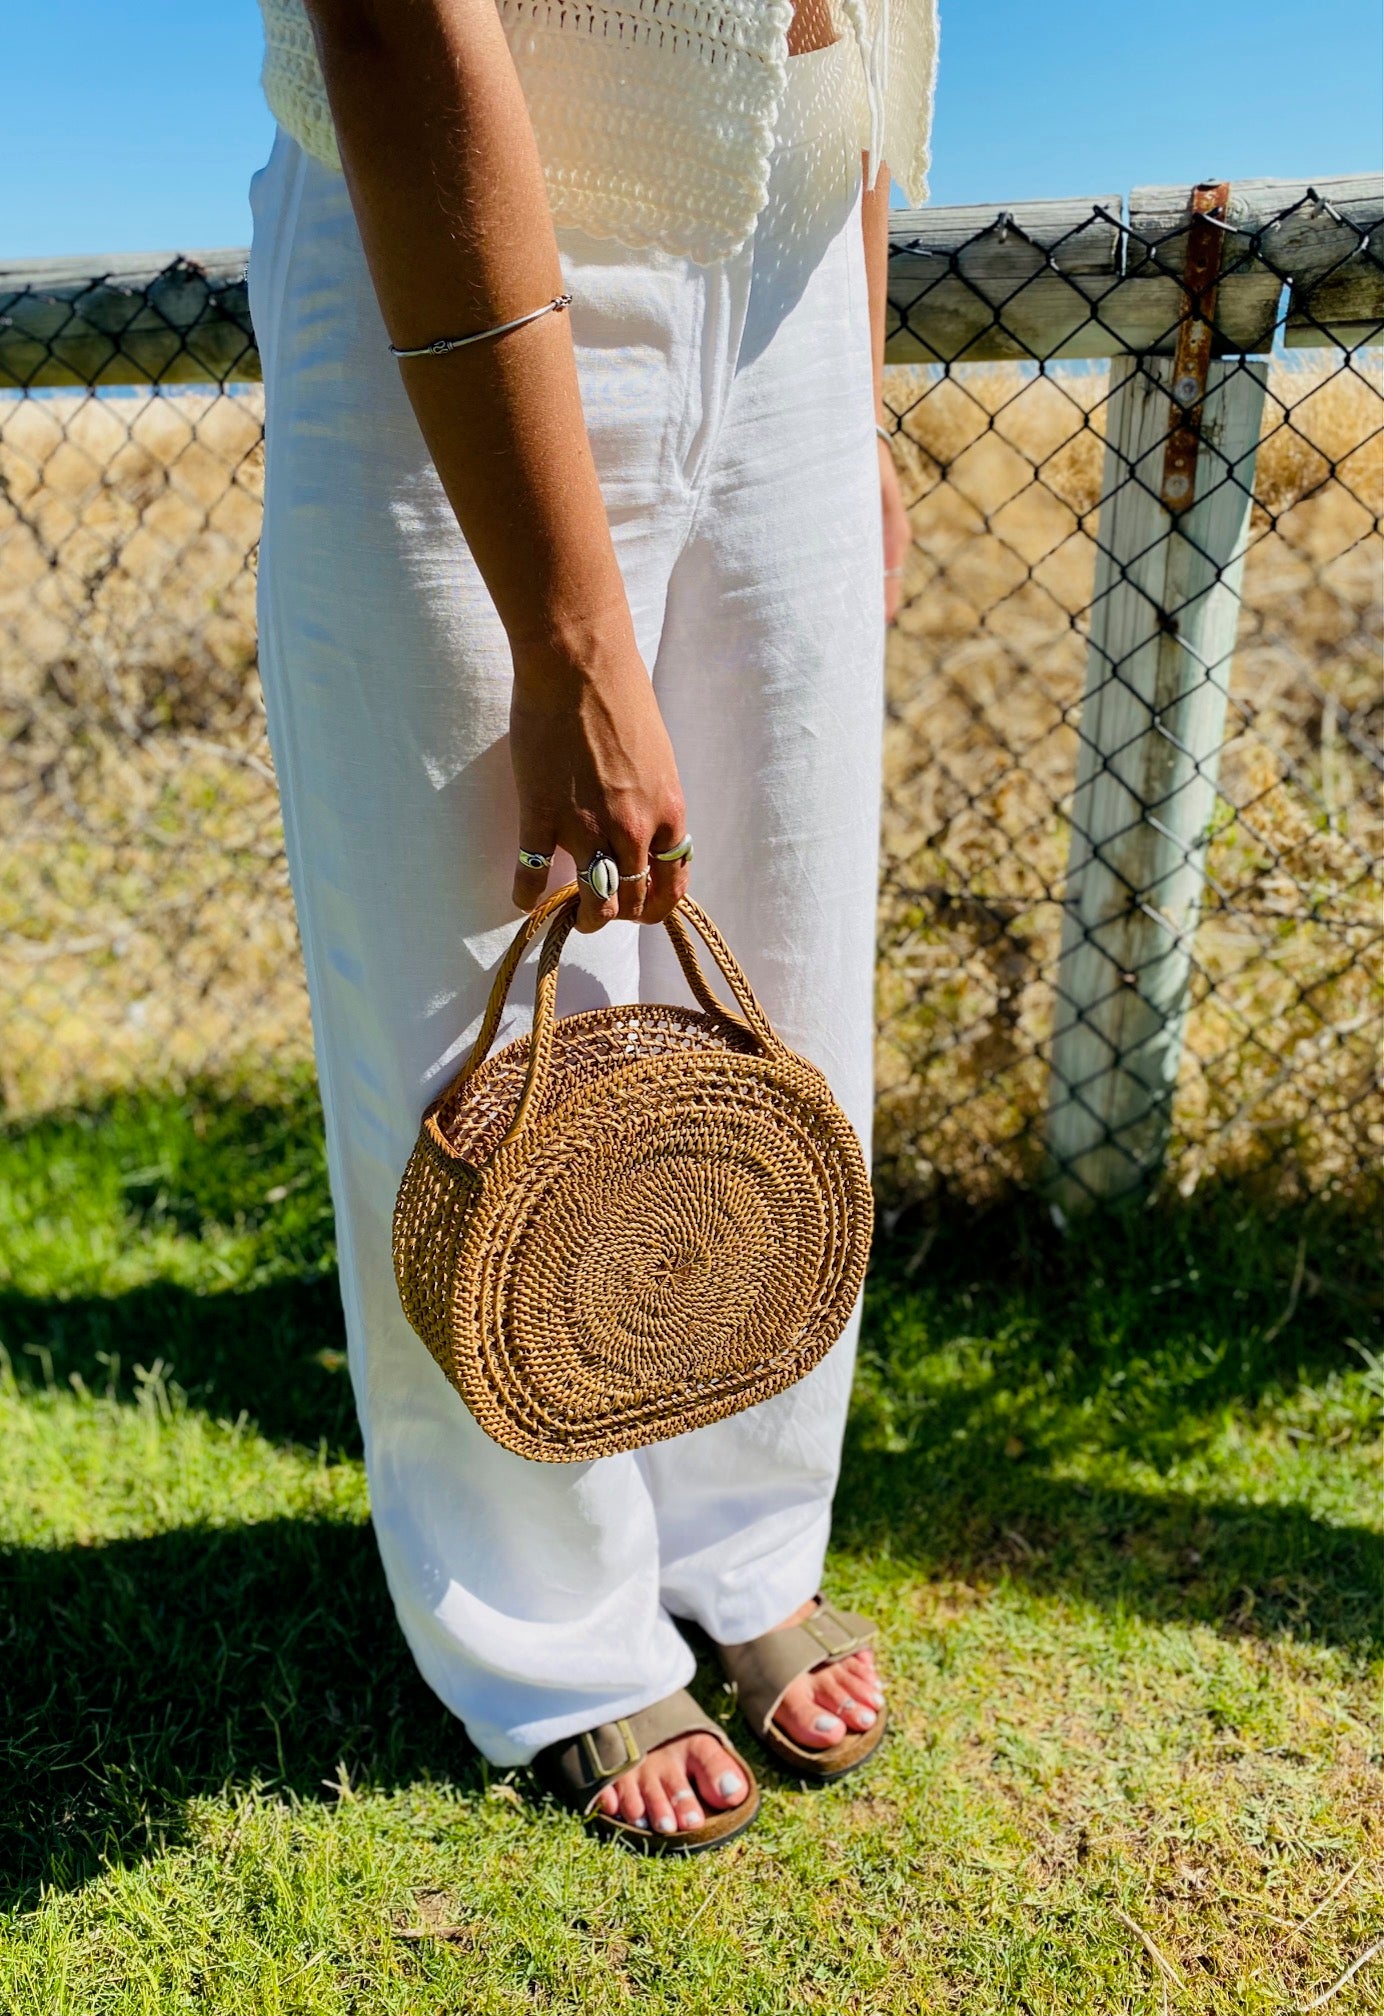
1163,624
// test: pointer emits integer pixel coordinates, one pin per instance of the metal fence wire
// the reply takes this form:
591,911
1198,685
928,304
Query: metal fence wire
1130,899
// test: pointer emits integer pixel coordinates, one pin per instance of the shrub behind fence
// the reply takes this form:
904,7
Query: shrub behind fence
1130,902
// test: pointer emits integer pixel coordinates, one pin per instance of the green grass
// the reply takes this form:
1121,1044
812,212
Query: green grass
1114,1499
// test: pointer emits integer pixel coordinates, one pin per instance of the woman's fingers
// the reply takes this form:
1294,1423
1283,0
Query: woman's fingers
898,531
629,873
595,909
632,861
667,883
667,887
638,897
531,882
613,844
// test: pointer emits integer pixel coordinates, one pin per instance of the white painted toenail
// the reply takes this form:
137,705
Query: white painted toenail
826,1725
667,1825
643,1821
729,1786
876,1697
867,1714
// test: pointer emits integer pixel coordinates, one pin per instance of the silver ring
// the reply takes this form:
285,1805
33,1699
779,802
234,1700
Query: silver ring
682,852
528,859
686,1793
601,875
642,876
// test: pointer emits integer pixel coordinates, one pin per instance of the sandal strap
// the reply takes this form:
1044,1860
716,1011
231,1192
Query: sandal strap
578,1768
764,1668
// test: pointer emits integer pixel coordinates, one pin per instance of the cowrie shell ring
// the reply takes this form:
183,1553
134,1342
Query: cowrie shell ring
601,876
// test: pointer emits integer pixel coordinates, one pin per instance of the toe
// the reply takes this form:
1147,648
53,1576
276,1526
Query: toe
659,1808
801,1717
862,1680
833,1696
714,1774
632,1804
609,1801
680,1795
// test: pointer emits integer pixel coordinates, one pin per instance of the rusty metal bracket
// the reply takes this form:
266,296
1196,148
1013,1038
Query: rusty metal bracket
1201,272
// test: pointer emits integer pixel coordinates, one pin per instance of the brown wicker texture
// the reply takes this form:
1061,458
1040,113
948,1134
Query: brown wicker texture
631,1222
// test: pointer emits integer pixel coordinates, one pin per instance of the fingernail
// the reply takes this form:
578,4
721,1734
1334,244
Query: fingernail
826,1725
667,1825
729,1786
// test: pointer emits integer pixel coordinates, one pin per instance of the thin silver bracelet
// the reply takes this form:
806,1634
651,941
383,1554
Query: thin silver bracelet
885,433
442,344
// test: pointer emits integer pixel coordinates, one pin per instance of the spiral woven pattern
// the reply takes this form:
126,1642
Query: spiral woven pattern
677,1227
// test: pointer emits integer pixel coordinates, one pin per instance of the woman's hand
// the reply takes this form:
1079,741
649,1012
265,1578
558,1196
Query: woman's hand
898,532
594,769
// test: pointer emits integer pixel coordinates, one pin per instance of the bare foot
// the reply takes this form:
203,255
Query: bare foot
823,1706
676,1785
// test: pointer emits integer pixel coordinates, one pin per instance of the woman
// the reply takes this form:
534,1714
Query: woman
500,585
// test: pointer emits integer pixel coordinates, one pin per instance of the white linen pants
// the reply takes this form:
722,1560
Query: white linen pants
731,414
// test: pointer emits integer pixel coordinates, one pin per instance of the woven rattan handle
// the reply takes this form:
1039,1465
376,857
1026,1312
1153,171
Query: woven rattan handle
559,912
756,1023
541,914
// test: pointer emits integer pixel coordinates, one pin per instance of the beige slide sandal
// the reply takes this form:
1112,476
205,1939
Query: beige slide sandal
764,1668
577,1769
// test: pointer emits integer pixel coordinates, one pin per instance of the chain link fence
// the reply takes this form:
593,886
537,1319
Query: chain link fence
1130,901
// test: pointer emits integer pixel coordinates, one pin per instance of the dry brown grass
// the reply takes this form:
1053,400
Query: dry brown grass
145,923
144,904
986,670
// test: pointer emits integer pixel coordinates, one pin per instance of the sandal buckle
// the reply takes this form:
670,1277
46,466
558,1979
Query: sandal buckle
599,1769
836,1648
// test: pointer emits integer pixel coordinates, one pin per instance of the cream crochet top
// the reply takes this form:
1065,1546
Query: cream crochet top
655,118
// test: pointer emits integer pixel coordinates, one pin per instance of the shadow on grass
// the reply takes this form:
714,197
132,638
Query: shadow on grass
140,1674
275,1354
1012,1380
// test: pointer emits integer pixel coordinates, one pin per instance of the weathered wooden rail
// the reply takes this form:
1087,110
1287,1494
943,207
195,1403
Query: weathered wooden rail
1183,291
1093,277
1082,277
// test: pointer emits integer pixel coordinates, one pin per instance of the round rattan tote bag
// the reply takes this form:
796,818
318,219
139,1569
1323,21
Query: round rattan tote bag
634,1221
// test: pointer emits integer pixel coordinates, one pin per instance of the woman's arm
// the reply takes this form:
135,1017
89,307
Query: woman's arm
898,533
447,188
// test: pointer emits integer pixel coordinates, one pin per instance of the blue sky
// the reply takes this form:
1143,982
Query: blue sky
134,125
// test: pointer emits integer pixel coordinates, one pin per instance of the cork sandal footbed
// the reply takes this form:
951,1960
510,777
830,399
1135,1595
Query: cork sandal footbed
714,1833
824,1767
